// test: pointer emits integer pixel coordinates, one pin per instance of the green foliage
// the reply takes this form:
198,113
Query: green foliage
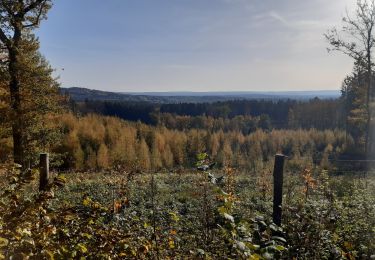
134,216
326,225
242,238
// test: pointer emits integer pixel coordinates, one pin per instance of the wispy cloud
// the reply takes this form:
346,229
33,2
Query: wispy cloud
195,45
277,17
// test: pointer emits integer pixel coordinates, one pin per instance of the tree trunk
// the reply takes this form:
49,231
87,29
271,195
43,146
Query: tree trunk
368,101
15,99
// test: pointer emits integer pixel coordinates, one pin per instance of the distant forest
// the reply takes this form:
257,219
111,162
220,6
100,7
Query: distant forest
243,115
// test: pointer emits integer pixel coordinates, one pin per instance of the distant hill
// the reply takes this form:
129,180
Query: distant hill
81,94
321,93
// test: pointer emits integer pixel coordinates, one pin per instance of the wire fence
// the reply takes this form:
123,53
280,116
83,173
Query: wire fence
359,167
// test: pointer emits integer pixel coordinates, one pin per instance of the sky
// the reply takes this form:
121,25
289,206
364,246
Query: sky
195,45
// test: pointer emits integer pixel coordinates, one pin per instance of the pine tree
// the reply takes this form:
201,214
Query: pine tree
17,20
354,99
40,101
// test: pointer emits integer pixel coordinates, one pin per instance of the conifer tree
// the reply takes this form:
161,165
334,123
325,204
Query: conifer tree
168,157
102,157
177,143
355,109
25,73
143,161
156,162
91,161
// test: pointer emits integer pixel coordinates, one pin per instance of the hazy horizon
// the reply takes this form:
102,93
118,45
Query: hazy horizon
206,91
195,46
324,92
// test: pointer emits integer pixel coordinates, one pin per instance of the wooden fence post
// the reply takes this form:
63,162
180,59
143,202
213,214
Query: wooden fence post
43,171
278,188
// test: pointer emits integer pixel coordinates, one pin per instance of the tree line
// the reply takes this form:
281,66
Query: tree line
101,142
281,114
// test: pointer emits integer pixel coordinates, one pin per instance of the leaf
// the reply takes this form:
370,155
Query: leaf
267,255
279,239
201,156
82,248
146,225
171,244
86,235
241,245
17,166
200,251
86,201
144,249
228,217
273,227
348,245
49,254
252,246
222,210
24,232
255,257
3,242
69,217
60,180
280,248
174,216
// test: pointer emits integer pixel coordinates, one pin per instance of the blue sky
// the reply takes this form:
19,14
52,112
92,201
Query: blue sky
194,45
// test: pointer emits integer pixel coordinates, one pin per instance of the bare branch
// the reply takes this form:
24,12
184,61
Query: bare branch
32,6
7,8
37,19
4,39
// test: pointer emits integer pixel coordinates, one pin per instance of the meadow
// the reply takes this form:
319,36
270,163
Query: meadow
191,214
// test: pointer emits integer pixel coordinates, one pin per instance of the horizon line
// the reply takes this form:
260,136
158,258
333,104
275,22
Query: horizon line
210,91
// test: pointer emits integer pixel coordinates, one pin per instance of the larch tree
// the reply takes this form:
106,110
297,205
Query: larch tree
156,161
143,156
356,40
17,20
91,161
177,145
102,157
168,160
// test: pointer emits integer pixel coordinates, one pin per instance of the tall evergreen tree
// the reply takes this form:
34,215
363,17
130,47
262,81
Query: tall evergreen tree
39,101
17,20
354,100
